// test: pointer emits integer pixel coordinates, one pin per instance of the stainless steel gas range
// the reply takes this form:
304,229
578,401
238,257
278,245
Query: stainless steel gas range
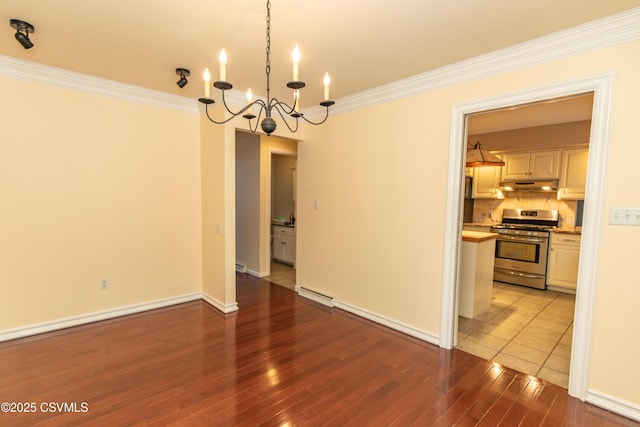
522,246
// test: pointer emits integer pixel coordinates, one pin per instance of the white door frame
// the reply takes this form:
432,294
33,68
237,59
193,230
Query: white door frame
602,87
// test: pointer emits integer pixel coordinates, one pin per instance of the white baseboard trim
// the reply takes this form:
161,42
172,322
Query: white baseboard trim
218,305
614,404
390,323
257,274
68,322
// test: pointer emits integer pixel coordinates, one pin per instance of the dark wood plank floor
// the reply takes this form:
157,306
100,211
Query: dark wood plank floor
280,360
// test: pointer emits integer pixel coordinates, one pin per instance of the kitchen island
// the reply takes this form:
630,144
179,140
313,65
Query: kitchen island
476,272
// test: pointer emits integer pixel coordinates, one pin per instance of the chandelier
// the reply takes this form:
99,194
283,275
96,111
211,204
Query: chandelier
271,105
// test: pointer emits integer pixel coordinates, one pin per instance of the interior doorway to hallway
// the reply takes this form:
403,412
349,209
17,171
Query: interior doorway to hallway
254,196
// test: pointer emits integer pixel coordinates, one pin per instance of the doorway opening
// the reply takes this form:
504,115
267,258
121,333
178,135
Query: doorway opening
601,87
529,327
283,225
259,183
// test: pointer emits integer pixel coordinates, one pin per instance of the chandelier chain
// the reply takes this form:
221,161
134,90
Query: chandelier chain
268,50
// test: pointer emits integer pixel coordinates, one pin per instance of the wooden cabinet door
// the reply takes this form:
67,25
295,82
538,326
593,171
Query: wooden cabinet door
544,164
564,258
516,166
486,181
574,174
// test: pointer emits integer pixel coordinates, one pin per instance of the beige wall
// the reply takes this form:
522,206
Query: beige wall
218,256
376,240
90,188
248,200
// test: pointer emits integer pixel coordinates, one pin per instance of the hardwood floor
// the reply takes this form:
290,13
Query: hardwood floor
280,360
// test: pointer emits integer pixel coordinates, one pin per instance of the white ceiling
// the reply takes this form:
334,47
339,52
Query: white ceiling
362,44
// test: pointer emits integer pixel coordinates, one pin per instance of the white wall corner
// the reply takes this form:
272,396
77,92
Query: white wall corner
218,305
258,274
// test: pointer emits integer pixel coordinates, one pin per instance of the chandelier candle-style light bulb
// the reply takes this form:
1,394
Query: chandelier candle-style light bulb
207,82
327,82
249,99
296,62
223,65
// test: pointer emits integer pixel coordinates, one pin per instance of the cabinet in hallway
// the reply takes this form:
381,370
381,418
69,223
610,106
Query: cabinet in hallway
284,244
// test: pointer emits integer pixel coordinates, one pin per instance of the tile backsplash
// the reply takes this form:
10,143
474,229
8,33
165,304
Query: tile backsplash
525,200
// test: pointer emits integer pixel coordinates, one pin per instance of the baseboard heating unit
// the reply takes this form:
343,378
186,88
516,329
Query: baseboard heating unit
241,268
316,296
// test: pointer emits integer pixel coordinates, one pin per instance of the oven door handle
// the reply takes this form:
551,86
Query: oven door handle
521,239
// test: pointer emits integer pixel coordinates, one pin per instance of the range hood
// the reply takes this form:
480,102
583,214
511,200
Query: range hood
524,185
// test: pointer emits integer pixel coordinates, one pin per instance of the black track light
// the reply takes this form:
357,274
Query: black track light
183,72
22,32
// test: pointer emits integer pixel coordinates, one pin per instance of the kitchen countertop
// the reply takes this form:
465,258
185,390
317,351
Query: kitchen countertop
575,231
478,224
477,236
284,225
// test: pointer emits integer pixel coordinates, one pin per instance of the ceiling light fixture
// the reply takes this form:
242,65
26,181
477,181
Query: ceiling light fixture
268,124
479,157
22,32
183,73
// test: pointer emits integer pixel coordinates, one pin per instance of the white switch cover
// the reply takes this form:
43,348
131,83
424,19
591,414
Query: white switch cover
316,204
624,216
219,228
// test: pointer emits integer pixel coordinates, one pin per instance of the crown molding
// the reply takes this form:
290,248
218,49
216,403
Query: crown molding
610,31
58,77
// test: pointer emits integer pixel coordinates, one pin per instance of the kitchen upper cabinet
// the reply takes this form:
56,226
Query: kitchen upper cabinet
573,179
531,165
486,182
564,258
284,244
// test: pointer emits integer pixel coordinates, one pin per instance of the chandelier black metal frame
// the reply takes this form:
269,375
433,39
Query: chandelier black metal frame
267,107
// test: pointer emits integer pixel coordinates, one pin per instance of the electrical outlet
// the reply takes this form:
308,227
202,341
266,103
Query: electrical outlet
104,283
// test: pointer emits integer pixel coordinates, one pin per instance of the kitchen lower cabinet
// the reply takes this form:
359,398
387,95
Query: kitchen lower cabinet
284,244
563,261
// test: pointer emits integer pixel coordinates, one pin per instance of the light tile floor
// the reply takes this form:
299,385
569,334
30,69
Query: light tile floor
526,329
282,274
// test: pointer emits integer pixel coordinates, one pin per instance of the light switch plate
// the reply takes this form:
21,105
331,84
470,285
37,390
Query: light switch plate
624,216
